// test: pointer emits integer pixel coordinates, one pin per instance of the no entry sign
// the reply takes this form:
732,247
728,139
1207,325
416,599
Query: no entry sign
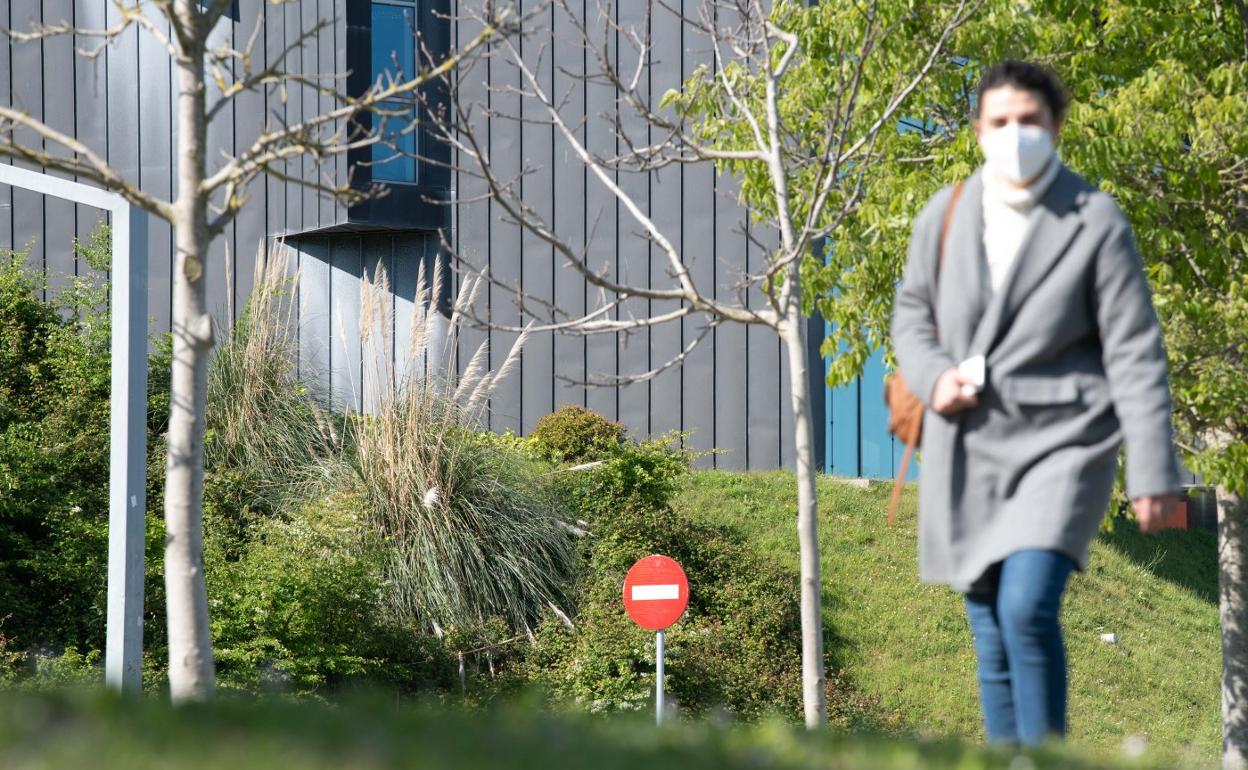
656,592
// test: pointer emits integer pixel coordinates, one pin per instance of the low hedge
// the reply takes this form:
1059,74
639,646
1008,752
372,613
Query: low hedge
75,731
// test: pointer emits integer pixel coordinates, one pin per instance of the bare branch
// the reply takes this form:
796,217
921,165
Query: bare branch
687,289
274,73
261,151
620,380
87,164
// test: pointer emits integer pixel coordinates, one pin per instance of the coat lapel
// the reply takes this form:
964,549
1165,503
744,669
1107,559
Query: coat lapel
1055,224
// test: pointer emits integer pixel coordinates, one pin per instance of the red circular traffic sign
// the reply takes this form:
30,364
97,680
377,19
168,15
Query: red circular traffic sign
656,592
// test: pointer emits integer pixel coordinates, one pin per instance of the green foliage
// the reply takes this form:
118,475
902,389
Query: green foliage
1209,331
54,428
302,608
60,730
26,325
732,651
641,476
1159,119
573,434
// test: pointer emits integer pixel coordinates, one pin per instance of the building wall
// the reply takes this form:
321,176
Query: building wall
346,349
119,103
731,392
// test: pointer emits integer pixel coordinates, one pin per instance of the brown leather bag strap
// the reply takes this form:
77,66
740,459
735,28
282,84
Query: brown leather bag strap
944,226
900,482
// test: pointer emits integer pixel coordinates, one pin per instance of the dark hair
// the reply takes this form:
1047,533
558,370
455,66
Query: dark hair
1026,76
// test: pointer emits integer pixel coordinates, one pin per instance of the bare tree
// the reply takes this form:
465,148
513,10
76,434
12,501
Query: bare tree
210,194
803,166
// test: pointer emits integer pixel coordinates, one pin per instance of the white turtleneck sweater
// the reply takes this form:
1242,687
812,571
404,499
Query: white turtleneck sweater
1007,217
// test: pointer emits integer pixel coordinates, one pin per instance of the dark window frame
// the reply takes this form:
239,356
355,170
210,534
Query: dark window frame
423,205
231,13
390,165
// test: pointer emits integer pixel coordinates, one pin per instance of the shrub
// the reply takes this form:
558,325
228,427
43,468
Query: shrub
643,476
302,609
267,445
25,325
574,434
54,452
471,529
735,649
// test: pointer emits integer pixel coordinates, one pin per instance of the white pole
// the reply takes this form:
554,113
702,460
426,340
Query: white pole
123,644
658,678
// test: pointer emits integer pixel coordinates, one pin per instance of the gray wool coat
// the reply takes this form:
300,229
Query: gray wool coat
1075,366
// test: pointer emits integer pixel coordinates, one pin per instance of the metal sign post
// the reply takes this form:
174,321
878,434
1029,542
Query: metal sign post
127,506
656,594
658,677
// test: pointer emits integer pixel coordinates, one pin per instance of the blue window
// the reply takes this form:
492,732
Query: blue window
394,55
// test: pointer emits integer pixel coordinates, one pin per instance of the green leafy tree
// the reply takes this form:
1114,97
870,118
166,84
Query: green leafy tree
1160,121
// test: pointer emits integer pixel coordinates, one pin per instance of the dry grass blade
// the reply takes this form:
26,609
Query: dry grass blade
262,418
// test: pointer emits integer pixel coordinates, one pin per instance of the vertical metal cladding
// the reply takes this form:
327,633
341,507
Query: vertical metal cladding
731,392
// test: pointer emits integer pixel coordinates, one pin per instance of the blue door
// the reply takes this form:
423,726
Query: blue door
858,441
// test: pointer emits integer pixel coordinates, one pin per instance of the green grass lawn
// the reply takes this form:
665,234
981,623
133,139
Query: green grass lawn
908,644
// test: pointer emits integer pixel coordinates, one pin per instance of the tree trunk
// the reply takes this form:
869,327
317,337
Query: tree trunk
813,693
1233,612
191,670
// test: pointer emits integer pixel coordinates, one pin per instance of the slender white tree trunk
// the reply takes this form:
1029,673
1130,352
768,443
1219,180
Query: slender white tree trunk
191,671
1233,612
813,692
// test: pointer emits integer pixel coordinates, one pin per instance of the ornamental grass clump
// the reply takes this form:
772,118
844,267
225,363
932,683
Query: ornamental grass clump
266,437
470,529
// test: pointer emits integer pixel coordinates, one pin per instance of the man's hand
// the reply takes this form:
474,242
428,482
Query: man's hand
1152,511
953,393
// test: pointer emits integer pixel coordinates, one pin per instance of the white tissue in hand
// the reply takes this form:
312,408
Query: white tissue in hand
973,369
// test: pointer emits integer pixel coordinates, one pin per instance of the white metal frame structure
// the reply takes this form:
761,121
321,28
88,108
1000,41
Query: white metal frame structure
127,505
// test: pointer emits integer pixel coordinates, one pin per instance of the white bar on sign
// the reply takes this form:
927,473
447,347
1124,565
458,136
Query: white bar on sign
654,592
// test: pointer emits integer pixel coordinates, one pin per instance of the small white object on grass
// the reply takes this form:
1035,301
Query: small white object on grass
1134,746
1110,638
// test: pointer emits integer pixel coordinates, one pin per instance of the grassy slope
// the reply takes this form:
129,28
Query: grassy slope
909,644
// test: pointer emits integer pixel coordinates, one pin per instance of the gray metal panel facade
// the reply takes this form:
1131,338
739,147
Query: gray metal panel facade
731,391
730,394
119,104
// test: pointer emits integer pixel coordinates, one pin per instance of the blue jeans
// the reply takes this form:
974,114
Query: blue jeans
1022,660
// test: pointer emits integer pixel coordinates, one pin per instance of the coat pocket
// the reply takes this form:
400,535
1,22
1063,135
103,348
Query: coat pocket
1041,390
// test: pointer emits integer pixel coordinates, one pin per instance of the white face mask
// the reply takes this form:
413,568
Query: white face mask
1017,152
